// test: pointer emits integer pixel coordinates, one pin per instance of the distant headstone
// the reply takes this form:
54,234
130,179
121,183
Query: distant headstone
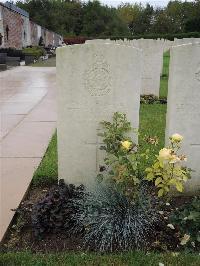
94,81
152,64
183,111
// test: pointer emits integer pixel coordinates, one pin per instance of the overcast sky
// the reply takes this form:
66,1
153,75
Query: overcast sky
117,2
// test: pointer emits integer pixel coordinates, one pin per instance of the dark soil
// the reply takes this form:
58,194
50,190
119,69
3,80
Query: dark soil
20,235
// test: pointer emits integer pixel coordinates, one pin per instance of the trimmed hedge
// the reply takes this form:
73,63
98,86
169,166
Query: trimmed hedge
167,36
12,52
74,40
36,51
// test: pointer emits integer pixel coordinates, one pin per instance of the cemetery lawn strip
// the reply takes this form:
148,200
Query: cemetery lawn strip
152,123
163,87
165,75
122,259
47,171
166,59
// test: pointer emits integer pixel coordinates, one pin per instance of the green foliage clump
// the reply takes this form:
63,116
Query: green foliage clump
123,162
152,99
167,170
187,220
36,51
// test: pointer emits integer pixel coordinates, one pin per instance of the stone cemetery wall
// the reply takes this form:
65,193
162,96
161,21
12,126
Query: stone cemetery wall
18,31
26,32
94,81
39,32
49,38
1,27
12,25
183,111
34,35
57,39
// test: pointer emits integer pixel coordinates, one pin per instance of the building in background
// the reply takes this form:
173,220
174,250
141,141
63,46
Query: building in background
18,31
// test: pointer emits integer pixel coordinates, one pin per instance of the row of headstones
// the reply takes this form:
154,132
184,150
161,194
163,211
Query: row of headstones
97,79
153,51
152,62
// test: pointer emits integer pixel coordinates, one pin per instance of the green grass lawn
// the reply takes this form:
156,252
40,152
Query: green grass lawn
47,172
91,259
166,59
165,75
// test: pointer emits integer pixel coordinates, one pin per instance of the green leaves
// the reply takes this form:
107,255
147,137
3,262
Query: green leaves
187,219
160,192
122,159
166,171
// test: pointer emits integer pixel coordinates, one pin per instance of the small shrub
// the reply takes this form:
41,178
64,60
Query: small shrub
149,99
54,212
74,40
122,162
152,99
167,170
36,51
12,52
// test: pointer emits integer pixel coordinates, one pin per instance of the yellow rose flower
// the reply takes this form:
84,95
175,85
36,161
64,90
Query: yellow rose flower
176,137
165,154
126,144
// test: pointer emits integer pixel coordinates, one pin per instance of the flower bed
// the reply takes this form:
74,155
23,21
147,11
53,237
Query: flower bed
130,207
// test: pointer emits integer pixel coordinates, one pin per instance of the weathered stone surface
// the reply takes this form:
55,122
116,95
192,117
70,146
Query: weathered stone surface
94,81
152,65
183,112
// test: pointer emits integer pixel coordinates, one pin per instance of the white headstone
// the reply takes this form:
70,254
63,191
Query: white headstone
183,111
152,65
94,81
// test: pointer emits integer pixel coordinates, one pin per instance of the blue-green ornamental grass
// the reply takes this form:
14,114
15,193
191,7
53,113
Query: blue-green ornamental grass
113,222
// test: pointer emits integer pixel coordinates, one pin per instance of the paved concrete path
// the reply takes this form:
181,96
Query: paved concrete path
28,120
